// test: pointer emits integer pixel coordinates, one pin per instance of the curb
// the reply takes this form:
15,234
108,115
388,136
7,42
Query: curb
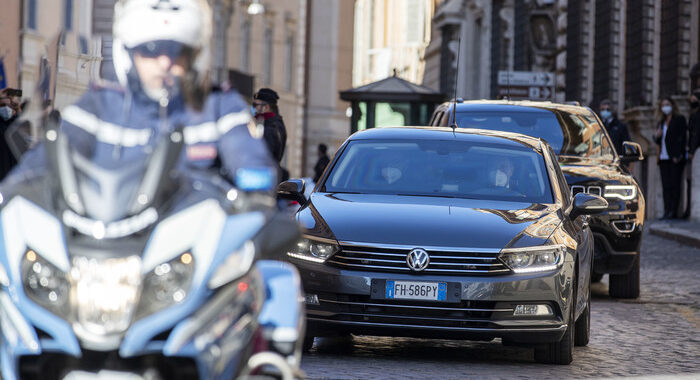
678,234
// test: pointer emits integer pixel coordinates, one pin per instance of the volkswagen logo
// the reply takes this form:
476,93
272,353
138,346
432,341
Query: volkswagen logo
418,259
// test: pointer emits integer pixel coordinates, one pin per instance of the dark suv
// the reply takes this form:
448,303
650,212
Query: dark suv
590,164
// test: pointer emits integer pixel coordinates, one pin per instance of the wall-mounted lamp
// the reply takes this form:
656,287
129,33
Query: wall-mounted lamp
255,8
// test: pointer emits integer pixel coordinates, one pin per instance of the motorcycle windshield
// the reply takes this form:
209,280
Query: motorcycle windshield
108,189
111,186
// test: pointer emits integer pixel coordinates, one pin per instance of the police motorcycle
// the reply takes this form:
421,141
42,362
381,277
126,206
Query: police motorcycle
144,272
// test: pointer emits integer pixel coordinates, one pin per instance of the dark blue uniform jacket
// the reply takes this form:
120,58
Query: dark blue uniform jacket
114,126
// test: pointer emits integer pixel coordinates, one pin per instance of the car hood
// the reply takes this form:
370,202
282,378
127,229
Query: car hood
428,221
582,170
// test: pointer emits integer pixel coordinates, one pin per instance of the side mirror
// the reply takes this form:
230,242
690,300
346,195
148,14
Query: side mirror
633,152
292,190
587,204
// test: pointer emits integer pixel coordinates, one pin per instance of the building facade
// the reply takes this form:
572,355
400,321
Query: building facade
631,52
391,36
303,49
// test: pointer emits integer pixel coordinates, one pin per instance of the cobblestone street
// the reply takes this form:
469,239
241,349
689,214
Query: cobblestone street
655,335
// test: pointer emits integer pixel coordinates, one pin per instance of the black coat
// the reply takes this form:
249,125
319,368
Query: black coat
275,135
694,132
7,159
320,166
675,137
618,133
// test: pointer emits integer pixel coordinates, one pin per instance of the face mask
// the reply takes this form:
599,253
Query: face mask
391,175
666,109
6,112
605,114
694,104
501,178
252,110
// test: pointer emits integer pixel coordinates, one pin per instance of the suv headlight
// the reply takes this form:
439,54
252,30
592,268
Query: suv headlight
317,251
45,284
624,192
167,284
533,259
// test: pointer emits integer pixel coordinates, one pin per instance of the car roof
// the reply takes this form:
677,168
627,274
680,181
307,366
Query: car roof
518,106
442,133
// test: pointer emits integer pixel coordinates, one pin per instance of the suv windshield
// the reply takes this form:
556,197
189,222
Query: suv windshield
569,134
441,169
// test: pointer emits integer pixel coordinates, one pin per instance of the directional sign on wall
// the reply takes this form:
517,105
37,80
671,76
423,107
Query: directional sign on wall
522,85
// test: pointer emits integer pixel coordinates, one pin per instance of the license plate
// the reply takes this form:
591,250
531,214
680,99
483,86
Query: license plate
416,290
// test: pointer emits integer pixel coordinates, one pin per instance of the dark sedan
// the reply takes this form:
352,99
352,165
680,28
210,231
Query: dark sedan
442,233
590,164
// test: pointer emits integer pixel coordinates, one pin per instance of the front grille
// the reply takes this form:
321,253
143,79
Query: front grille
443,261
363,309
593,190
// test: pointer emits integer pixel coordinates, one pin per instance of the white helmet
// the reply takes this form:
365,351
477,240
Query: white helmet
188,22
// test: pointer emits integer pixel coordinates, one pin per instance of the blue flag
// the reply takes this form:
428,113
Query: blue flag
3,82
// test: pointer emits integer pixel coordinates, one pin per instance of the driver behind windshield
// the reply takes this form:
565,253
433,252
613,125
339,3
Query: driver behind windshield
161,59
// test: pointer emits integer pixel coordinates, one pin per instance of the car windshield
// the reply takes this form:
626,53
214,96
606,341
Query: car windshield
441,168
570,134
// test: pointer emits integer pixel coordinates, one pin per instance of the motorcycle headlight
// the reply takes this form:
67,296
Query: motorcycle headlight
533,259
317,251
624,192
45,284
106,292
235,266
167,284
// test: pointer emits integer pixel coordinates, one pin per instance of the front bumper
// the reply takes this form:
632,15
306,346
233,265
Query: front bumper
618,235
479,308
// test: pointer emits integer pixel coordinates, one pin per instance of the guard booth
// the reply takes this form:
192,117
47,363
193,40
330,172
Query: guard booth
390,102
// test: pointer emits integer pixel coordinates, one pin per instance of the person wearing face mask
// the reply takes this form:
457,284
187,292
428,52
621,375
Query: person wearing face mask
503,173
267,114
694,124
616,129
9,111
670,137
693,143
161,52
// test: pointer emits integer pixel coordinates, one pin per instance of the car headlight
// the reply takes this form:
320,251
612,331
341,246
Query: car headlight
533,259
235,266
167,284
317,251
624,192
45,284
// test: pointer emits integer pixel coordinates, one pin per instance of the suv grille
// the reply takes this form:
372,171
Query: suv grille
452,261
593,190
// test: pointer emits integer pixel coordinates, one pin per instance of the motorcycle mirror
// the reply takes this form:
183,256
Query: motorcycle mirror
279,235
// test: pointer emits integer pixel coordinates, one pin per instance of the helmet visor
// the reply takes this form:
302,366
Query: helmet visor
171,49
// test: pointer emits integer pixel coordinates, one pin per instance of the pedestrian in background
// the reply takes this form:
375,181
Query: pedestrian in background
693,143
274,131
10,109
670,136
617,130
322,162
694,124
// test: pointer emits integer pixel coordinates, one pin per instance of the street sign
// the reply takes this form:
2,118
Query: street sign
525,78
526,85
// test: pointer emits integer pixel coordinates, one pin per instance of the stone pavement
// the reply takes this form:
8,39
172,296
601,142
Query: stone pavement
683,231
654,337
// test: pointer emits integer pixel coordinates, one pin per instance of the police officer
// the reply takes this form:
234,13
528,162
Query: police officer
161,58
